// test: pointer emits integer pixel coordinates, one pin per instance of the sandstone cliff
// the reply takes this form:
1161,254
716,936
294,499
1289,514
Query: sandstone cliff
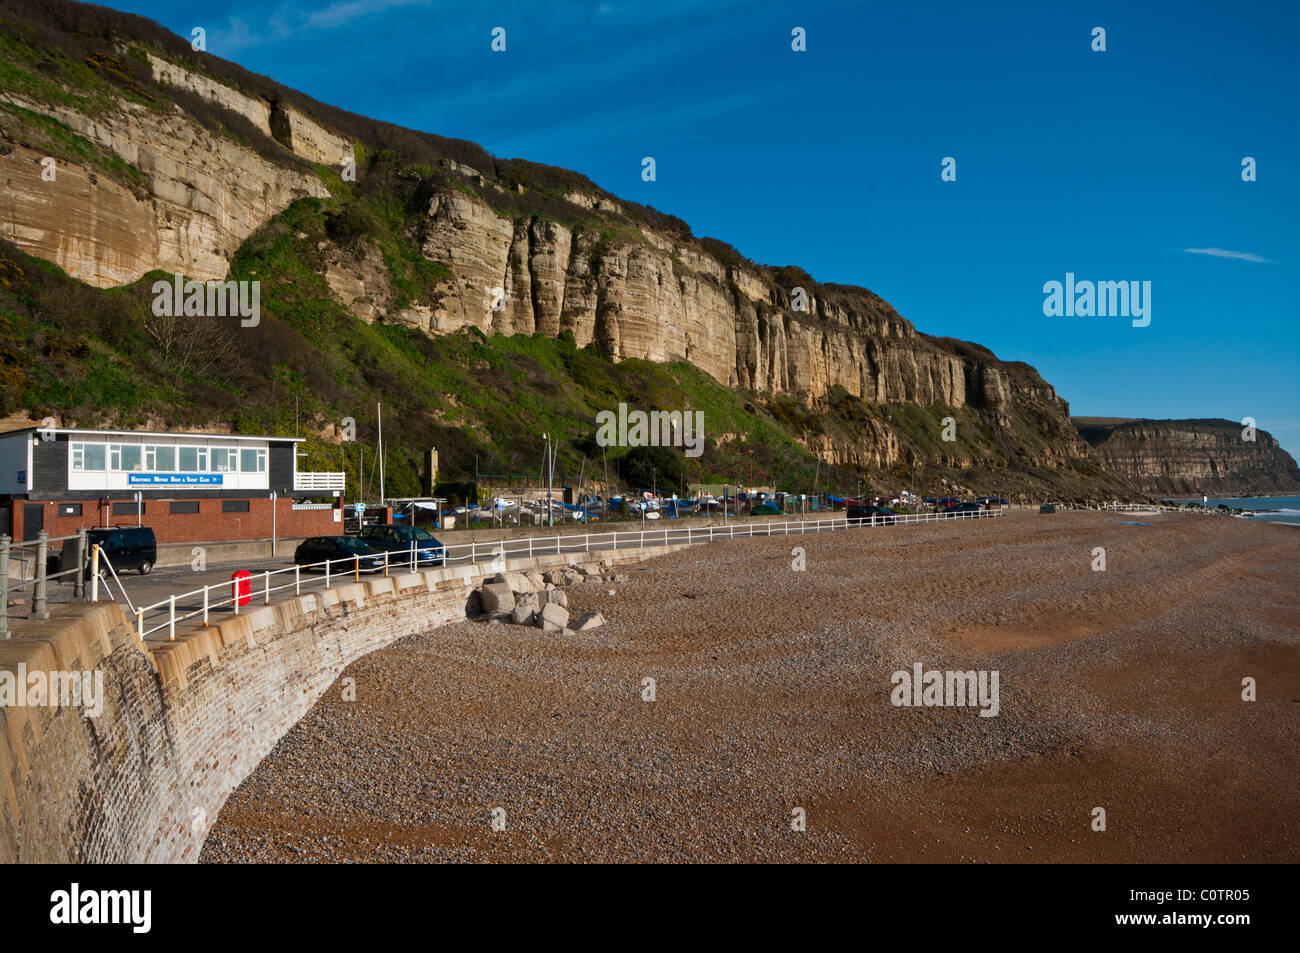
1192,457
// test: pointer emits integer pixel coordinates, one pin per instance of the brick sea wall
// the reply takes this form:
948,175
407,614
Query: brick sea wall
183,724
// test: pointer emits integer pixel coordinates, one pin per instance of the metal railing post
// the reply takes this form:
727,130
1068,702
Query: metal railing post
39,611
356,575
205,606
139,623
4,587
266,588
171,619
297,579
385,566
94,573
79,578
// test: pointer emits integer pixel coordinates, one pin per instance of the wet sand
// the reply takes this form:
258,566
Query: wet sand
1118,689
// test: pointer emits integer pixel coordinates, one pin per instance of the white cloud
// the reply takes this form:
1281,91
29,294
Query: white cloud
345,11
1224,253
289,20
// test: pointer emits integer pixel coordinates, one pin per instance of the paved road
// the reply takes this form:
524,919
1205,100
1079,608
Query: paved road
160,584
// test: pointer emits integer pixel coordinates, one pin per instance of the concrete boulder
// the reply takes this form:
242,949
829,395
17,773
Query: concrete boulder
527,605
556,597
592,620
497,597
554,619
517,581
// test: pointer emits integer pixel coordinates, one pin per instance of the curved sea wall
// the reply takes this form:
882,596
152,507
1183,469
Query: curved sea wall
183,723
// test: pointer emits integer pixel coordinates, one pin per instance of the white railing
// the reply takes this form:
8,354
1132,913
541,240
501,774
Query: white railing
322,480
330,572
1144,508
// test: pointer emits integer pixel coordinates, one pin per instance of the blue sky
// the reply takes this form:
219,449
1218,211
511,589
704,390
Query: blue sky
1110,165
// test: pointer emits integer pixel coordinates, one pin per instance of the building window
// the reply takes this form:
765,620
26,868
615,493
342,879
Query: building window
234,506
160,459
193,459
224,460
183,506
129,508
252,461
69,509
88,457
125,457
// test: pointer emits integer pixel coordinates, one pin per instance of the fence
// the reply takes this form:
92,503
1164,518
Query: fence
1145,508
202,602
318,480
34,556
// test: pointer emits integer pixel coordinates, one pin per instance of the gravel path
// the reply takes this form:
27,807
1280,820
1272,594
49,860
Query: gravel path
1119,689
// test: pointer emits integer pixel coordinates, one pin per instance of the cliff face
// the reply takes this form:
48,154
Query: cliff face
189,198
651,296
1192,457
174,161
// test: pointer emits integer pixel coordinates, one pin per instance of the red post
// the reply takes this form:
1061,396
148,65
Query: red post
241,587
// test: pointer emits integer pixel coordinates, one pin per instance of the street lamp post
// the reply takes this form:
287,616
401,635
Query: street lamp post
550,474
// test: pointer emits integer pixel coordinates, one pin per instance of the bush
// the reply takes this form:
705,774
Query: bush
645,467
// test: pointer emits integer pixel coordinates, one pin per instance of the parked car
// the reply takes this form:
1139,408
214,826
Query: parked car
398,540
966,509
346,549
126,547
864,514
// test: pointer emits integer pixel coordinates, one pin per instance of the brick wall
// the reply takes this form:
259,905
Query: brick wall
185,723
209,524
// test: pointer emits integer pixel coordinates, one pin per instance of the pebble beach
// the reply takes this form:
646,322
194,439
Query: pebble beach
737,708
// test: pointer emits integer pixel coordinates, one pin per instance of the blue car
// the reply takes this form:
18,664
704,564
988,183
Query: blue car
398,540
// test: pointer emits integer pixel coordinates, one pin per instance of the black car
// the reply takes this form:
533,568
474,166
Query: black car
399,540
967,510
342,551
125,547
862,515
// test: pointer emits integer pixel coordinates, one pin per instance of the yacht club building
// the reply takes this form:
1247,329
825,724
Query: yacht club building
189,487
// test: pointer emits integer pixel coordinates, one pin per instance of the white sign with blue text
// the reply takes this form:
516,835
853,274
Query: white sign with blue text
174,479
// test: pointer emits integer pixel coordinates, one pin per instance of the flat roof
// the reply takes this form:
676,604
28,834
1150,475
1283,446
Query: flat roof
145,433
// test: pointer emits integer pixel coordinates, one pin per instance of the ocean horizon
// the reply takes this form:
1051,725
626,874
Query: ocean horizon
1268,509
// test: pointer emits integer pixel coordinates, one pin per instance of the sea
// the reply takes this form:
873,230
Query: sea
1271,509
